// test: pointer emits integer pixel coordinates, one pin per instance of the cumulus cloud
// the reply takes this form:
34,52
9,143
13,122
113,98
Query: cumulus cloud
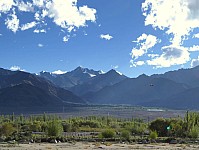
6,5
12,22
59,72
64,13
194,48
25,7
115,67
66,38
39,3
16,68
170,56
176,17
143,44
106,36
153,55
196,35
39,31
40,45
28,25
195,62
137,63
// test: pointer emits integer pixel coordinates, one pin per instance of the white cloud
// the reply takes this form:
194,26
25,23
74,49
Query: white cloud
175,17
138,63
143,44
6,5
194,48
39,31
44,13
16,68
153,55
66,14
12,22
59,72
25,7
38,3
196,35
1,34
195,62
28,25
40,45
66,38
115,67
170,56
106,36
37,16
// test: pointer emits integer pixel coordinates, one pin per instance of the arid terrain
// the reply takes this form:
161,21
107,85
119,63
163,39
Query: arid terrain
90,146
127,112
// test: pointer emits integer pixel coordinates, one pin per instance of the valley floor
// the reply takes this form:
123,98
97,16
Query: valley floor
91,146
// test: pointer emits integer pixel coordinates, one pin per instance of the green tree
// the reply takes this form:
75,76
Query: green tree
194,132
7,129
36,126
160,126
153,135
54,129
108,133
125,135
67,127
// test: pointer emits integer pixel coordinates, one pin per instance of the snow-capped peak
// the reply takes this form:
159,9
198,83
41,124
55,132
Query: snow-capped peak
101,72
58,72
91,75
119,73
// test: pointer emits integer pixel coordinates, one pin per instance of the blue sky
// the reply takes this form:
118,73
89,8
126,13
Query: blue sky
132,36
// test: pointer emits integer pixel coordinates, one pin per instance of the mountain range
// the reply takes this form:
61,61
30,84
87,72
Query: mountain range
82,86
20,90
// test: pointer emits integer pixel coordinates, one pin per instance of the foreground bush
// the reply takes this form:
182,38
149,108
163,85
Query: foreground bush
125,135
54,129
7,129
194,133
108,133
153,135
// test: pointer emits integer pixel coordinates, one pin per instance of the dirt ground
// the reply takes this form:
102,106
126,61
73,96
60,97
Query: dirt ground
93,146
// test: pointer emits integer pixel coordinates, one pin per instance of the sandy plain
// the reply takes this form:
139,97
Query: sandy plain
97,146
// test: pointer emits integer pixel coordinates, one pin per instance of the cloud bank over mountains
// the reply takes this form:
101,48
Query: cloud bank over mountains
176,19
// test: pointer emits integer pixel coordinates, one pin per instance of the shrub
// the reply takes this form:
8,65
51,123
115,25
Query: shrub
194,133
7,129
54,128
108,133
160,126
35,127
153,135
125,135
67,127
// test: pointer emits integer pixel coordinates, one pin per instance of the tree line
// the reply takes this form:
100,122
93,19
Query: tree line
38,127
